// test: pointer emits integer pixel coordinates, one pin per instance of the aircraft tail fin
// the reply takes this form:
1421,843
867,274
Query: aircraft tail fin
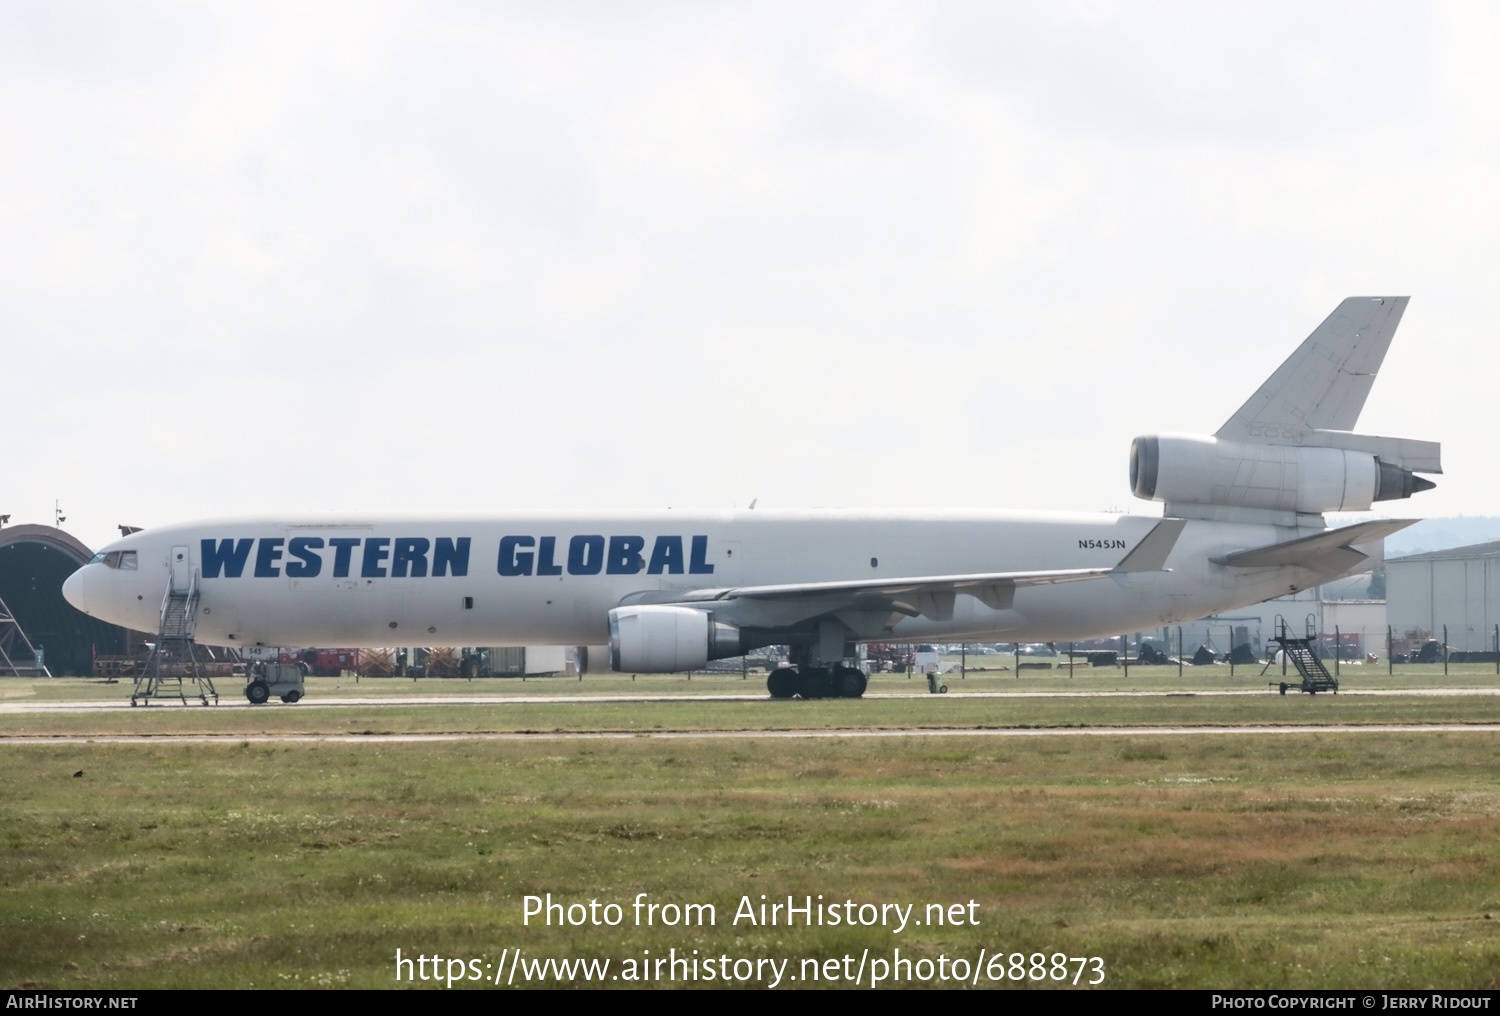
1324,384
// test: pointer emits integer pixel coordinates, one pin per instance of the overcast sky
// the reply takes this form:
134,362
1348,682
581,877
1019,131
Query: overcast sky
325,257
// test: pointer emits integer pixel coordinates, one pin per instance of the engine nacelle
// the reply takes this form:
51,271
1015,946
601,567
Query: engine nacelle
659,640
1192,469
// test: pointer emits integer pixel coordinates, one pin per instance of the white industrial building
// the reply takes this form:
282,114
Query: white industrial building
1459,588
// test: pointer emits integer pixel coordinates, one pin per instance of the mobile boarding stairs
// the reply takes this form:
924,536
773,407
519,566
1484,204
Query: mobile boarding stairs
1301,654
175,656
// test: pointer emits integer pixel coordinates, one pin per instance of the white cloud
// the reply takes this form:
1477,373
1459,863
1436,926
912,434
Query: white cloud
347,256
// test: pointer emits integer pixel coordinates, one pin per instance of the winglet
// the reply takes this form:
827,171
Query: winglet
1151,553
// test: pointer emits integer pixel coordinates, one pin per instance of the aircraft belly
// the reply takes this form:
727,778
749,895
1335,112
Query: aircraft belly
357,613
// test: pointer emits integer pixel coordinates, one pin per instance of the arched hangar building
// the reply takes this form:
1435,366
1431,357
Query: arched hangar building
34,561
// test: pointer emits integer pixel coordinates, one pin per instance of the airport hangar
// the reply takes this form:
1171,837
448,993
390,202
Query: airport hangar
1457,588
34,561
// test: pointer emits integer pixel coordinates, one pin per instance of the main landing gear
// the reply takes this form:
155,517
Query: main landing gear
816,682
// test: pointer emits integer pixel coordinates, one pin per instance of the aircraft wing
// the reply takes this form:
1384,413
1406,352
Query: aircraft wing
933,595
1331,549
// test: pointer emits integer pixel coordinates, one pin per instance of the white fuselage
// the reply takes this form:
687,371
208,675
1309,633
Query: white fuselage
478,580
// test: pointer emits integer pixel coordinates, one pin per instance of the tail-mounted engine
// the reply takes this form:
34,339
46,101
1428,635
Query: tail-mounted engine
1291,450
1350,475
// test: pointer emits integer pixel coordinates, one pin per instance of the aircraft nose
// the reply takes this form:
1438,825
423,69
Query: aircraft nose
75,589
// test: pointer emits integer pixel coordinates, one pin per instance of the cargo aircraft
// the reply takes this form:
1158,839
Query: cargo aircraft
669,591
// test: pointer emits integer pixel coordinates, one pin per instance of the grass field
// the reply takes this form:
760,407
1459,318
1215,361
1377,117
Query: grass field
1285,860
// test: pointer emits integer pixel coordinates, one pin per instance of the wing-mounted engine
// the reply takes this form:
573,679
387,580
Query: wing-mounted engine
1290,449
662,640
1192,471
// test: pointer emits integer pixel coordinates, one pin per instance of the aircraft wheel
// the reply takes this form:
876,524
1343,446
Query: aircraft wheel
258,693
817,682
782,682
850,683
291,696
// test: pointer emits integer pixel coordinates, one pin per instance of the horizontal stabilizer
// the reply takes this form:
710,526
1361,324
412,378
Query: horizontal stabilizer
1331,550
1404,452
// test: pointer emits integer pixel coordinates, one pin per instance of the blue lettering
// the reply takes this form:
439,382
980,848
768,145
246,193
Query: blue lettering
544,555
585,555
666,556
451,557
411,551
699,564
625,555
266,556
343,547
512,560
226,556
308,564
377,549
591,554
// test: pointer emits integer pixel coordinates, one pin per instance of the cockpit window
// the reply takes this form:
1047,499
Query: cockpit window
124,559
112,559
97,558
127,560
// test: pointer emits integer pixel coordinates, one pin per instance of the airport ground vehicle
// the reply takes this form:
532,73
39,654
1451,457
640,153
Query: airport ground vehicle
284,680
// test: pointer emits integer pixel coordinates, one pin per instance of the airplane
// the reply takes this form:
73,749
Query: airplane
669,591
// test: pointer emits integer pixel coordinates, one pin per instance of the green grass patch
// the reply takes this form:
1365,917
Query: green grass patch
938,712
1297,860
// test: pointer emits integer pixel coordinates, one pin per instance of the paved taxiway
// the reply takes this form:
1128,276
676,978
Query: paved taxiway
234,700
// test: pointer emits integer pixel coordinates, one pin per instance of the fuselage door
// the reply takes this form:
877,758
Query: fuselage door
182,570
